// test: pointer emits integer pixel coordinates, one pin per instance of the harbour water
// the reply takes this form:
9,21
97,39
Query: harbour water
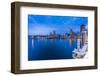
50,49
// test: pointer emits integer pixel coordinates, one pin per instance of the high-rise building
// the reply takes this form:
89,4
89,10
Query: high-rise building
54,32
72,34
82,28
83,33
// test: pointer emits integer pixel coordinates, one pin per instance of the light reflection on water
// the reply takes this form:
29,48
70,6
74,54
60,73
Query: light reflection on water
49,49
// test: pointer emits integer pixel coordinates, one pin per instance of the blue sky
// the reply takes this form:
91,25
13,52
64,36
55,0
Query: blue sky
44,24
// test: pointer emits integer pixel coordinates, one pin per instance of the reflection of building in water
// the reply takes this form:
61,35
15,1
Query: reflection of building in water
72,36
70,42
78,42
33,43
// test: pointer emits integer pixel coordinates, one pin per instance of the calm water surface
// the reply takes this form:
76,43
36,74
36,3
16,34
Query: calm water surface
50,49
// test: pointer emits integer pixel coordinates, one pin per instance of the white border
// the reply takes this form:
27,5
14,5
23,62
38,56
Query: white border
25,64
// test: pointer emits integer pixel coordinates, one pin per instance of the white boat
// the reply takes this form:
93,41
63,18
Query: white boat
80,52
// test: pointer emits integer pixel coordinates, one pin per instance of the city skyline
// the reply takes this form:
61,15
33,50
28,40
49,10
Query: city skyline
44,24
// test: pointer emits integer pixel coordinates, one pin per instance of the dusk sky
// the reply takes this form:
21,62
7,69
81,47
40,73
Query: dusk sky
44,24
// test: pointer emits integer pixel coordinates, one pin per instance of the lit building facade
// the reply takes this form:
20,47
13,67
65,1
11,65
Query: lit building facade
83,34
